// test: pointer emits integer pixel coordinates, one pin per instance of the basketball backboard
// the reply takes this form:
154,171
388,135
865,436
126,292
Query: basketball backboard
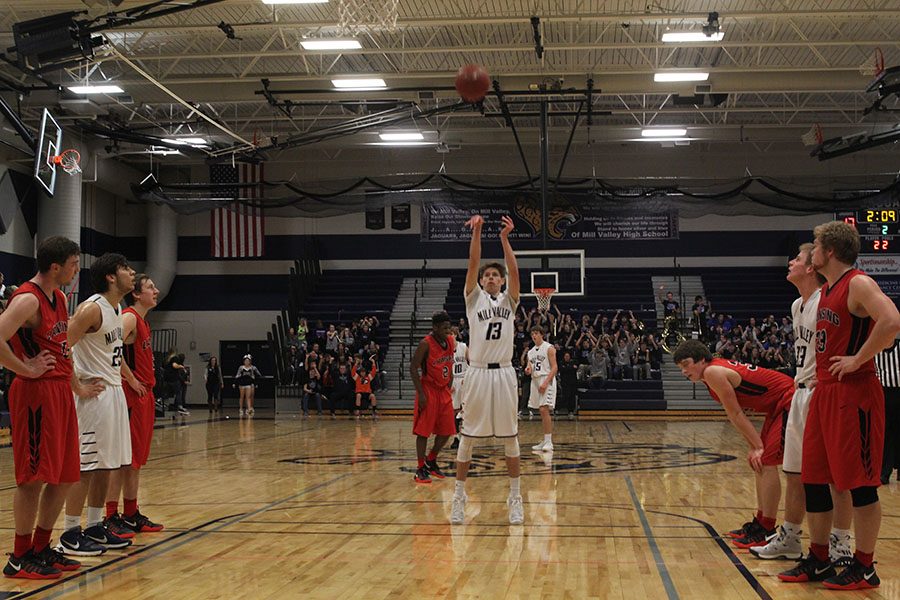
48,146
562,270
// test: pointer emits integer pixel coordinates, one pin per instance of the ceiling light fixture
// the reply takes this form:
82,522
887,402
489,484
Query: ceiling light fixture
330,45
692,36
188,141
95,89
401,136
372,83
294,1
680,76
664,133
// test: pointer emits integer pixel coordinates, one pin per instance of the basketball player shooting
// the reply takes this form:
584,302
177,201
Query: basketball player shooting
489,396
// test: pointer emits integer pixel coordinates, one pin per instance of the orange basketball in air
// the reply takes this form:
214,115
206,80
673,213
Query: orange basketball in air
472,83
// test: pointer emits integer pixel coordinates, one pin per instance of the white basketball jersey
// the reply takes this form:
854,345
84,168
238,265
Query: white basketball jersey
99,354
491,326
460,364
539,360
804,316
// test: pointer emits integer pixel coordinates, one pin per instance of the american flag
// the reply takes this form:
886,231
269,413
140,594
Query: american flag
237,230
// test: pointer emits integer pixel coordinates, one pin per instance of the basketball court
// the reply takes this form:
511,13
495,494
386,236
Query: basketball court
267,161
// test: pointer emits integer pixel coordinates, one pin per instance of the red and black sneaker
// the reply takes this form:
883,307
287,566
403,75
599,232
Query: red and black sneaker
29,566
141,524
116,525
809,568
745,528
54,558
422,475
756,536
434,469
855,577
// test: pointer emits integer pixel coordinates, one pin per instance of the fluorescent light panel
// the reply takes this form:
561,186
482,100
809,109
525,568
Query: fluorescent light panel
664,133
692,36
330,44
680,76
188,141
401,136
95,89
359,84
294,1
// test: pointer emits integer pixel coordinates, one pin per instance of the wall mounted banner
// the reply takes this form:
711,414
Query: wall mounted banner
374,217
400,217
879,264
573,217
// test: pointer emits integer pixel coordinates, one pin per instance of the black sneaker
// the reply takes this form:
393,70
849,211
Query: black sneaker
434,469
422,475
101,535
29,566
54,558
117,526
74,543
744,530
141,524
756,536
855,577
809,568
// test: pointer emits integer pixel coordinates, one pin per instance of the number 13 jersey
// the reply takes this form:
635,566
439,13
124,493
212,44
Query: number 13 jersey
99,354
491,327
804,315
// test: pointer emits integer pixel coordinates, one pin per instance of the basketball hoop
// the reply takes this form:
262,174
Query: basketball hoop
813,137
874,65
543,296
356,17
68,161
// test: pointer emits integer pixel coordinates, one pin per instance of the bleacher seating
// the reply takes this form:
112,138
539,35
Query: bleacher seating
749,292
624,395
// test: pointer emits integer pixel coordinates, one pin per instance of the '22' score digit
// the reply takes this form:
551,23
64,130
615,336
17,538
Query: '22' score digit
880,245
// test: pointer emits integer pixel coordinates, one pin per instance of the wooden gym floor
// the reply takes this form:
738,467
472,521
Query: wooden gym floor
286,508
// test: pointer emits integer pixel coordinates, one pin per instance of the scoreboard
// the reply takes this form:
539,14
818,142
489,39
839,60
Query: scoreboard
879,229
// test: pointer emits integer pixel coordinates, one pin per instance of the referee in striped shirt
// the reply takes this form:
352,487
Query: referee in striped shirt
888,363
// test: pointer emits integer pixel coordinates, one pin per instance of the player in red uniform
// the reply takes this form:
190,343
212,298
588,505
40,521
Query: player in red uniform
844,436
737,387
138,384
44,425
434,403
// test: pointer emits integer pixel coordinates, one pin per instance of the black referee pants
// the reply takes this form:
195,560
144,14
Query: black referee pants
891,432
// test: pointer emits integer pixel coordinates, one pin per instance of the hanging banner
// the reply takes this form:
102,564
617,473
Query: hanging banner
400,217
571,218
375,217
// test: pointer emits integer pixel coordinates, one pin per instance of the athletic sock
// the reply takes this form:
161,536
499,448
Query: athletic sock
94,515
23,545
112,507
41,539
820,551
460,489
514,486
759,515
431,456
866,558
421,462
548,437
131,506
768,523
71,522
841,534
792,528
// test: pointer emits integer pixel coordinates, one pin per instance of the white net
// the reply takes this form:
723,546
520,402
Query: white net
543,296
813,137
68,161
874,65
360,16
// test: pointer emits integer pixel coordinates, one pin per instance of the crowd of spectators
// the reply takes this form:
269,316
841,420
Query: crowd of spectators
320,358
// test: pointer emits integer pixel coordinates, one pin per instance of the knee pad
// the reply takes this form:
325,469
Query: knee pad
511,447
818,497
864,496
464,452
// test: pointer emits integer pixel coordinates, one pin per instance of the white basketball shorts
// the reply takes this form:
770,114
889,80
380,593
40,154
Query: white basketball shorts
103,430
548,398
489,403
793,434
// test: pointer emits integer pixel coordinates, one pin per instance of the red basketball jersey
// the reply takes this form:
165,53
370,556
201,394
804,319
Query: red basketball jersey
839,333
50,335
760,390
438,366
139,355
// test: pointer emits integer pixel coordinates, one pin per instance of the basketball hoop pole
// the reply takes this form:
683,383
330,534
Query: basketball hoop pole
545,169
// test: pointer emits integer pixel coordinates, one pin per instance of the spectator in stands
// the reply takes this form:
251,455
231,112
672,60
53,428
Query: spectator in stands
596,371
463,331
656,351
312,391
568,384
214,383
670,305
343,389
319,334
641,361
294,365
787,327
520,339
332,339
292,340
302,331
347,338
623,350
313,358
699,311
363,375
176,378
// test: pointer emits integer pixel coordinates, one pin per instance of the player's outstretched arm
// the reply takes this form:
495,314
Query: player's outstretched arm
718,382
513,287
867,300
475,224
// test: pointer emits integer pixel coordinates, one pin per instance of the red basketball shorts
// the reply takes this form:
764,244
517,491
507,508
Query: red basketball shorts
773,432
141,418
437,417
843,442
44,431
